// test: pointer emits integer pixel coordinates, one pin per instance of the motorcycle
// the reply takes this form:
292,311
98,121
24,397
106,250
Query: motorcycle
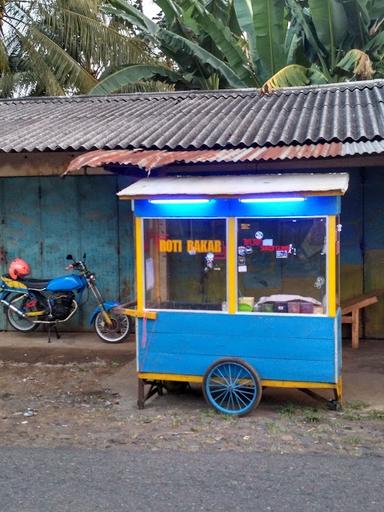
29,303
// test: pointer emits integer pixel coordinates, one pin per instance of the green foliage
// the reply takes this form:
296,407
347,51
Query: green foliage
60,46
74,46
268,43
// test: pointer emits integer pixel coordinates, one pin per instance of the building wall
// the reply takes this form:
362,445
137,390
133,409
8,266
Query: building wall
362,244
45,218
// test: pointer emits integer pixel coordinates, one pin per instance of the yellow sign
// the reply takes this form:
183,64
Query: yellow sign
171,245
203,245
191,246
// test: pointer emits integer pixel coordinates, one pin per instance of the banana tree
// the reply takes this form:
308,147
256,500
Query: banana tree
209,44
255,43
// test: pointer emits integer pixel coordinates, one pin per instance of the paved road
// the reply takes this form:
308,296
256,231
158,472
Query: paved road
63,480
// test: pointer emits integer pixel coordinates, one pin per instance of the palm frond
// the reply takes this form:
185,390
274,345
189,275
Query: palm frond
4,61
39,71
66,70
93,41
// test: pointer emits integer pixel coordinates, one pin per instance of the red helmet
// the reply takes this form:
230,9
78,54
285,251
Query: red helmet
19,268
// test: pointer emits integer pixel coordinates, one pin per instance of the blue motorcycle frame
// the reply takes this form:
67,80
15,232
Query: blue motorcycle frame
31,302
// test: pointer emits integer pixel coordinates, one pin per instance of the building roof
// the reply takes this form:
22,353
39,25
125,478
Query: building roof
267,185
157,158
195,120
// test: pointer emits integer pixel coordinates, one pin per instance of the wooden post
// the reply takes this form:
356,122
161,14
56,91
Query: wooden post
140,394
355,328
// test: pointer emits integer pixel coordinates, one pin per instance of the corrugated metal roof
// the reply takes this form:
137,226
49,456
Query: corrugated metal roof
152,159
350,112
237,186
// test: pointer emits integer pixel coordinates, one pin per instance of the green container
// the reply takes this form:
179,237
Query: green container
267,308
245,307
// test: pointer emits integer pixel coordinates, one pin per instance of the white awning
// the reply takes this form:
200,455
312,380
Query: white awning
237,186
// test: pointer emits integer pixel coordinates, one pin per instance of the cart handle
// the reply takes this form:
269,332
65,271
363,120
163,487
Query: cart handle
150,315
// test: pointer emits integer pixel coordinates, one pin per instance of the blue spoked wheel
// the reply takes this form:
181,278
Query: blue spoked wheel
231,386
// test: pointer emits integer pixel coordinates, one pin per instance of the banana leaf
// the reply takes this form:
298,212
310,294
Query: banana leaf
270,30
186,47
299,14
331,24
132,75
244,14
170,9
229,49
359,20
358,63
122,9
293,76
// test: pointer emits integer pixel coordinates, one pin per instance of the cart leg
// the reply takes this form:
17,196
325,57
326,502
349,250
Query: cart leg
140,393
355,328
334,404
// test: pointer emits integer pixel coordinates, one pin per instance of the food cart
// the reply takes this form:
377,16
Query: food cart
237,285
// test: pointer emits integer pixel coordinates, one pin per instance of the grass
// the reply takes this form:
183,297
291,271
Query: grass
353,440
311,415
376,415
289,410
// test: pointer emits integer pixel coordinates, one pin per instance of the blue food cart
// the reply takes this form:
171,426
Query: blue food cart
238,285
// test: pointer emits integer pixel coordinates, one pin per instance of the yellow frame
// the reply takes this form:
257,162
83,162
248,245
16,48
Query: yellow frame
232,270
231,262
331,266
289,384
232,301
139,263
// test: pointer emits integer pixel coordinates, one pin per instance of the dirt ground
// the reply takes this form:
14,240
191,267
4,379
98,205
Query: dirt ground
92,403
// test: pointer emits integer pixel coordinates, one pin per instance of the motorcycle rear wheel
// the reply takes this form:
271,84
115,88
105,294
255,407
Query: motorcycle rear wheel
115,333
18,322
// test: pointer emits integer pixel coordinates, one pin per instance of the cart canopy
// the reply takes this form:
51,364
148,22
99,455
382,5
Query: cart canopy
300,184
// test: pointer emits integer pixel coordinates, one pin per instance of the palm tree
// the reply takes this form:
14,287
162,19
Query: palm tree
56,47
255,43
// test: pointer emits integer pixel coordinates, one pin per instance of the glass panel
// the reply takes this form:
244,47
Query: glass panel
185,263
282,265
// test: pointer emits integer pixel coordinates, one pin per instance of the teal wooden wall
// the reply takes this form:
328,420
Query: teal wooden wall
45,218
362,244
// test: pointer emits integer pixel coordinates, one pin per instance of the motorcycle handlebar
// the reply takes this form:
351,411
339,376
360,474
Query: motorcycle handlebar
77,265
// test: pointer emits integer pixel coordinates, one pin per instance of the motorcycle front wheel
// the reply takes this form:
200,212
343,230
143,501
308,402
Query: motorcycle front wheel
18,322
117,332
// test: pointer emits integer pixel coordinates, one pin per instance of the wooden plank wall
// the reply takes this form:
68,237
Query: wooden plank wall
45,218
362,244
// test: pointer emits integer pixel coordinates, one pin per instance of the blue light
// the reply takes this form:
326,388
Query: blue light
272,200
179,201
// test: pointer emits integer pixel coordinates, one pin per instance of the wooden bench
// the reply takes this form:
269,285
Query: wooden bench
350,311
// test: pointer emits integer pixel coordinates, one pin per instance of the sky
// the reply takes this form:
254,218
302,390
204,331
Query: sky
150,8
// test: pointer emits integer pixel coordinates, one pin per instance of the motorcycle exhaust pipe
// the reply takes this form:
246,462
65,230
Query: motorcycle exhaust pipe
11,306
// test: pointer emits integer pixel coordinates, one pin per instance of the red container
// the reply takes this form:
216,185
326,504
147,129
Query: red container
306,307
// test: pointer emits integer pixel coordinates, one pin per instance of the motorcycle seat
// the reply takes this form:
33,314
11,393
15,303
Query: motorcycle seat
36,284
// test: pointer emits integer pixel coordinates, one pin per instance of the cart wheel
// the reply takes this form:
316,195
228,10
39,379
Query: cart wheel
231,386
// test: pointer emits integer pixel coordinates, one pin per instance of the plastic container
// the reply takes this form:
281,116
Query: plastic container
245,307
294,307
249,301
267,308
280,307
306,307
